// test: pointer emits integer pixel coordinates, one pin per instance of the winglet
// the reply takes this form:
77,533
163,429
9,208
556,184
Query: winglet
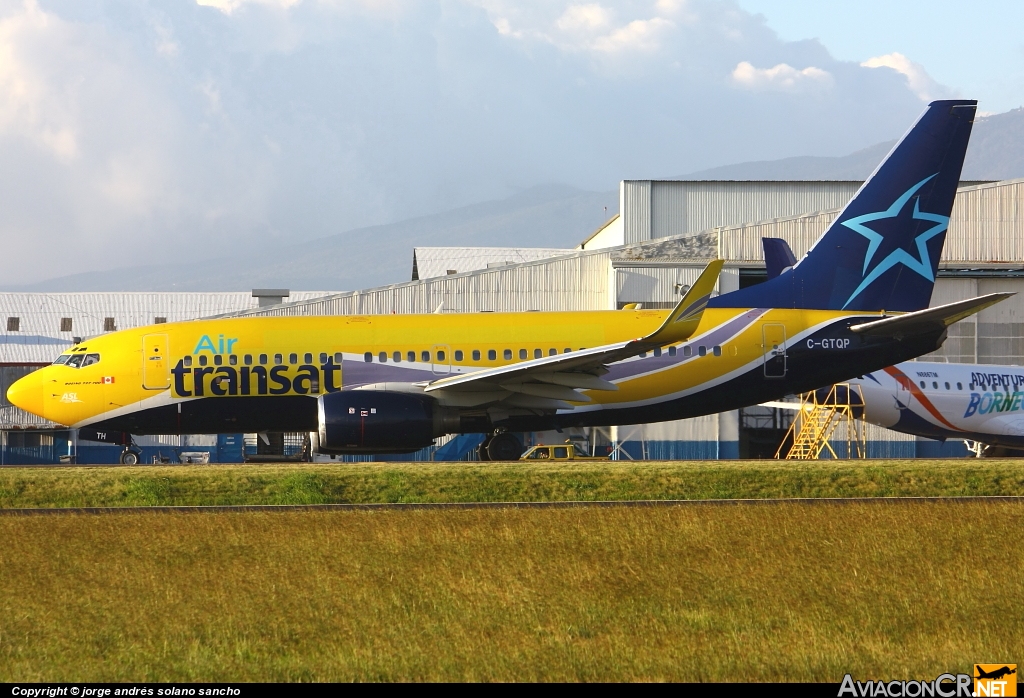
684,318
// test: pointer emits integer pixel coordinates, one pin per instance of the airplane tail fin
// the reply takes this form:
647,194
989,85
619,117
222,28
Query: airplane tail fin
778,257
883,249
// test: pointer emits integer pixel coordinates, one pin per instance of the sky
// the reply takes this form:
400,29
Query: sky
141,132
976,49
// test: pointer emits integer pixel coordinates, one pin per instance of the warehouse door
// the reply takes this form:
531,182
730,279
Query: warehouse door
774,347
156,374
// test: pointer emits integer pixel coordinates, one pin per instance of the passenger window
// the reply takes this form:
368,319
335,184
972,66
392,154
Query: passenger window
935,385
263,359
687,350
367,357
671,351
970,386
717,351
308,358
507,354
947,386
458,355
425,357
410,356
293,359
523,354
440,356
90,359
492,355
959,386
233,360
76,360
247,359
702,350
382,357
278,359
552,352
188,361
323,358
338,358
62,359
922,385
202,359
397,357
476,355
566,350
561,452
537,353
218,359
657,351
643,355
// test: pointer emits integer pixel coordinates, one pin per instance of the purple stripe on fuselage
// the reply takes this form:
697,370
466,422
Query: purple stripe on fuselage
717,336
357,373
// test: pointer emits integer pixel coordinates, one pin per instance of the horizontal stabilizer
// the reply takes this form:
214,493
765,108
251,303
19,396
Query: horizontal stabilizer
929,319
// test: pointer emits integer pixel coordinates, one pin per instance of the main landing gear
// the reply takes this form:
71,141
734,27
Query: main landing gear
130,456
500,446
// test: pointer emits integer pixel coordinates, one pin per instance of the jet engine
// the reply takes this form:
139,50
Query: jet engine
376,421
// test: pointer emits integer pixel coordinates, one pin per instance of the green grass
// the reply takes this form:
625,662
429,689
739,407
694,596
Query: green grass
786,592
481,482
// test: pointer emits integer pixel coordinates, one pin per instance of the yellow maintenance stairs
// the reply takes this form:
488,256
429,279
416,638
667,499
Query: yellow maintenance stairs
817,419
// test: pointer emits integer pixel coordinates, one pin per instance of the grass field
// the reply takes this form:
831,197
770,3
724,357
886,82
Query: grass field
778,592
483,482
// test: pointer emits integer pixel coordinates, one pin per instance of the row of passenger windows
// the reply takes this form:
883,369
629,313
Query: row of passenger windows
262,359
458,355
959,386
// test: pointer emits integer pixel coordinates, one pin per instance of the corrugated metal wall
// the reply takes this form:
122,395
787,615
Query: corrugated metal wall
654,209
635,197
575,282
986,227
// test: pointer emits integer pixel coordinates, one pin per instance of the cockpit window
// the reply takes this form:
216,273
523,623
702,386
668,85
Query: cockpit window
62,359
79,360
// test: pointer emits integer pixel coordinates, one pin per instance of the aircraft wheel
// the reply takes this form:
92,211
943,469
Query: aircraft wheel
481,450
504,446
129,457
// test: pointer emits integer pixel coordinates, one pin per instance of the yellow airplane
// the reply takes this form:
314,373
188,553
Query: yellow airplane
393,383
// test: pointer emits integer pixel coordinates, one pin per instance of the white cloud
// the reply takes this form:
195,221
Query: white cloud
780,77
917,78
182,132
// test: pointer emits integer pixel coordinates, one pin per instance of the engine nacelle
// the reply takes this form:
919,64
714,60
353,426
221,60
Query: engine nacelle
375,421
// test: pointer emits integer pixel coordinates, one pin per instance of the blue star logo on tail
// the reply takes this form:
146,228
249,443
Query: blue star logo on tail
922,264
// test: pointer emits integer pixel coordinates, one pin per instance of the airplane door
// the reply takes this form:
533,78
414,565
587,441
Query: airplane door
774,347
156,373
441,359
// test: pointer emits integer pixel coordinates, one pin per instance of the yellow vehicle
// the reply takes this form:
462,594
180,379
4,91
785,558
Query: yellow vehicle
560,452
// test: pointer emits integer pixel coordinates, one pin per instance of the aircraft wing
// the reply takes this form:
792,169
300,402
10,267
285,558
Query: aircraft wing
928,319
552,381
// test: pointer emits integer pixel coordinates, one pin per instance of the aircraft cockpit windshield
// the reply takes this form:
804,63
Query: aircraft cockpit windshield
77,360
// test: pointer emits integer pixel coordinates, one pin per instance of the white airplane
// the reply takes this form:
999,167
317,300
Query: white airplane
980,404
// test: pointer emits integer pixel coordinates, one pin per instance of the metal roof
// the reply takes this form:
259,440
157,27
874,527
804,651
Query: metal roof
41,319
431,262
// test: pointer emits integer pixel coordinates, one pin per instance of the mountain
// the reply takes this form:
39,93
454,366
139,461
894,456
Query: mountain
547,216
996,152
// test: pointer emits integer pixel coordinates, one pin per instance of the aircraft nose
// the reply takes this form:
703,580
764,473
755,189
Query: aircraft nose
27,393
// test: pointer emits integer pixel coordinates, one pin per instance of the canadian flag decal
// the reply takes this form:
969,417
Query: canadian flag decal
108,379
